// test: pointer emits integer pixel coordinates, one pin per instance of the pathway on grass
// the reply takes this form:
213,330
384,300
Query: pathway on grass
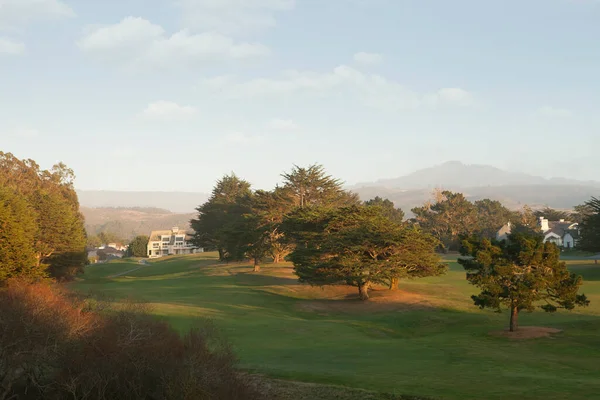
142,262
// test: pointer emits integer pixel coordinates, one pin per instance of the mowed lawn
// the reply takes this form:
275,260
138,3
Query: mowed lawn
425,340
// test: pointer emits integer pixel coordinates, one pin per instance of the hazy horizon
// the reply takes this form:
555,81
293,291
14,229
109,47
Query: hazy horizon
169,95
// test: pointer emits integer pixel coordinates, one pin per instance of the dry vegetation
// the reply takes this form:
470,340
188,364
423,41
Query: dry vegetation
55,345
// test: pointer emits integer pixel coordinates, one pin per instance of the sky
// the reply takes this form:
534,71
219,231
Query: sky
170,95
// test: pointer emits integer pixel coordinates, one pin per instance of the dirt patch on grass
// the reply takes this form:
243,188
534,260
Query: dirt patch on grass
527,332
291,390
345,300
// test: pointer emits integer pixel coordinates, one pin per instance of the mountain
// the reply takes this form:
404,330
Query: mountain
477,182
127,223
181,202
454,174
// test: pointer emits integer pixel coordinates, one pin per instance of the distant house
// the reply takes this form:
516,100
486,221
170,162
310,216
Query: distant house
169,242
562,233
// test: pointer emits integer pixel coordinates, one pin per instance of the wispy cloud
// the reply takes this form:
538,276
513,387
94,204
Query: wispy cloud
167,110
11,47
232,17
368,58
137,43
282,125
549,111
371,89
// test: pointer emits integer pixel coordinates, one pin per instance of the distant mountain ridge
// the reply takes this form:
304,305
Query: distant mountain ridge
178,202
455,174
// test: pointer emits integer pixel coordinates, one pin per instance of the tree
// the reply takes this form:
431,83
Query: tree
491,216
230,199
17,230
519,273
59,236
388,209
552,214
449,217
357,246
590,226
93,241
312,186
138,247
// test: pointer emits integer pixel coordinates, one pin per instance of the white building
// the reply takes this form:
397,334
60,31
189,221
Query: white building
562,233
170,242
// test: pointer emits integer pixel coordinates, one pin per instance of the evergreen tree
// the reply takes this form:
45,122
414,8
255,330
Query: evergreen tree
17,231
590,226
230,199
388,209
357,246
138,247
312,186
518,274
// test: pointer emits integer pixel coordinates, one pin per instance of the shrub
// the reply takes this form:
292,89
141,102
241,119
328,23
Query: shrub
56,345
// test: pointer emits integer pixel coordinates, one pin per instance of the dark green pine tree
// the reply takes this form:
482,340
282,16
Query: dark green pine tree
518,274
138,247
590,226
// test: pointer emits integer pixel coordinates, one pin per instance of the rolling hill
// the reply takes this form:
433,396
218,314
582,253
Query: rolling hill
130,222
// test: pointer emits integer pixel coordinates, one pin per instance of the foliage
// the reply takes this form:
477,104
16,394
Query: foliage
552,215
76,348
388,209
58,236
450,216
491,216
590,227
17,230
138,247
357,246
229,201
518,274
312,186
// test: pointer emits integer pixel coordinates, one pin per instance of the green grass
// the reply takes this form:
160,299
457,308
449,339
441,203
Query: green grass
429,341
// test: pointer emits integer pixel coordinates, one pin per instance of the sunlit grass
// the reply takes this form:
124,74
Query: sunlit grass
427,340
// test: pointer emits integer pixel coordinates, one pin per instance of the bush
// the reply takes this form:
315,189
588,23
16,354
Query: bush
56,345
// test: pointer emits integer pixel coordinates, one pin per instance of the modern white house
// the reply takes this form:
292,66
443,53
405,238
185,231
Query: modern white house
171,242
562,233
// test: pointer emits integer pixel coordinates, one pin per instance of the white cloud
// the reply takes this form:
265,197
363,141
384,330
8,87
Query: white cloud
10,47
454,96
232,17
283,125
242,138
166,110
16,13
368,58
373,90
555,112
138,43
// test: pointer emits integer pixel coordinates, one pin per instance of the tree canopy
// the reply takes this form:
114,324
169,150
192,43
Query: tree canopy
58,235
357,246
518,274
138,246
590,226
388,209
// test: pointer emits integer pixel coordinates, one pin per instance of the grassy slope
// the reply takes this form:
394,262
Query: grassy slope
430,342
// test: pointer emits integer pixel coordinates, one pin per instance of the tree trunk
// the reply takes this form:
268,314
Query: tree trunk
256,266
276,258
221,255
394,283
363,291
514,319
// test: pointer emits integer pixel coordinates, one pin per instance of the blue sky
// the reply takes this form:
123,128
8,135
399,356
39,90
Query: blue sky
172,94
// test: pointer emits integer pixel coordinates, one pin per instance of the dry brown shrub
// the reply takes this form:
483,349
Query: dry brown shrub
55,345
